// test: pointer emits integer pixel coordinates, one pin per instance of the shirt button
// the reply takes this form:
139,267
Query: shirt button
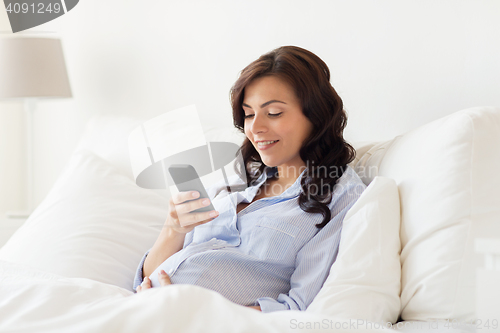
214,245
170,272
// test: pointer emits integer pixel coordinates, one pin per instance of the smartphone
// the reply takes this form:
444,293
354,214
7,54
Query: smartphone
186,179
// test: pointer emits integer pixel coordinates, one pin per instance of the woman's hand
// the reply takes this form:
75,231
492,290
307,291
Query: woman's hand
146,283
256,307
181,219
165,281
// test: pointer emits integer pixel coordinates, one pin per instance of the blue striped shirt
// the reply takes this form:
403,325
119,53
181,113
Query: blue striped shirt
269,254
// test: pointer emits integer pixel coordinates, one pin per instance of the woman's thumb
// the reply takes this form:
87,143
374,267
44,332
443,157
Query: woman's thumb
164,278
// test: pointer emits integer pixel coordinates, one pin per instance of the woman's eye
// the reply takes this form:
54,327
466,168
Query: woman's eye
269,114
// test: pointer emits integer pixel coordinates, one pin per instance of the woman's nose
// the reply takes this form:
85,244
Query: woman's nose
258,124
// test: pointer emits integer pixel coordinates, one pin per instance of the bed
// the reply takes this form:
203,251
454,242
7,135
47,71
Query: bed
406,259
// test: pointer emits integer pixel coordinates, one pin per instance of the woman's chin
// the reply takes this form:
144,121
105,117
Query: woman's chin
269,163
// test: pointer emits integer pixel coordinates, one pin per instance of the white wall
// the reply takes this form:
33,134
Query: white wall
396,64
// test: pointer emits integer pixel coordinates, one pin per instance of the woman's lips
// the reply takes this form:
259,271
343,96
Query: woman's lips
264,147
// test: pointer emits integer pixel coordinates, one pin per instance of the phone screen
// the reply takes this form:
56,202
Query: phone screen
186,179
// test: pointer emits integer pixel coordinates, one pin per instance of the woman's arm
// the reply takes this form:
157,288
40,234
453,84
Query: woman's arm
168,243
180,221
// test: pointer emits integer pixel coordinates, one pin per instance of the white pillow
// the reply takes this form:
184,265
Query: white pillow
365,280
95,223
368,160
447,174
107,137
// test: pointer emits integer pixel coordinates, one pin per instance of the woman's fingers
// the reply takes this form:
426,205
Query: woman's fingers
188,221
181,197
185,202
192,218
164,278
181,217
146,284
189,206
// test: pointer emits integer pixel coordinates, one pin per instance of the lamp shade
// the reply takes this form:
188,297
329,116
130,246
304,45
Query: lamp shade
32,67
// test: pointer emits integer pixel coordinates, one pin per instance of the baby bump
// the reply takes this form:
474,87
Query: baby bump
238,277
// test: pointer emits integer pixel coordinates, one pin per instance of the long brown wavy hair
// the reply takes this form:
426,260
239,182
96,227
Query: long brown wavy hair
325,148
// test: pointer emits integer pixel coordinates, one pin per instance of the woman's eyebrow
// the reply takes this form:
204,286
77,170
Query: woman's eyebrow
265,104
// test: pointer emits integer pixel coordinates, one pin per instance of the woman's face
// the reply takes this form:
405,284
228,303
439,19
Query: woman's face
273,113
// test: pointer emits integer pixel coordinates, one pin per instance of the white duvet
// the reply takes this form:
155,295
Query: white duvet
76,256
32,300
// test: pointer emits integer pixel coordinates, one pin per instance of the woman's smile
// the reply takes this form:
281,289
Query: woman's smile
263,145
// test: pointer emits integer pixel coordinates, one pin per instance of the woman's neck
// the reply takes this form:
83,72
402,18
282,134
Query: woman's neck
287,175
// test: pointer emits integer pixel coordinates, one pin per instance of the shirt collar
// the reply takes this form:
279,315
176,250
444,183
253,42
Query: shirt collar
269,172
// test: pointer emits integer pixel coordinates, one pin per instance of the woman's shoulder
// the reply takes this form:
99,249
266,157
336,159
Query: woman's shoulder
347,190
351,179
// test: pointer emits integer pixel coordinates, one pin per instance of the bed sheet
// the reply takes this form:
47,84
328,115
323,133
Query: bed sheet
33,300
36,301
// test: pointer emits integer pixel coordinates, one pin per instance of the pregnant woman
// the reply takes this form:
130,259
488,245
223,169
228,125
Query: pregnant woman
273,244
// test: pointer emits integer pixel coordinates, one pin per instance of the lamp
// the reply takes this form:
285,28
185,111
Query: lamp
31,68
